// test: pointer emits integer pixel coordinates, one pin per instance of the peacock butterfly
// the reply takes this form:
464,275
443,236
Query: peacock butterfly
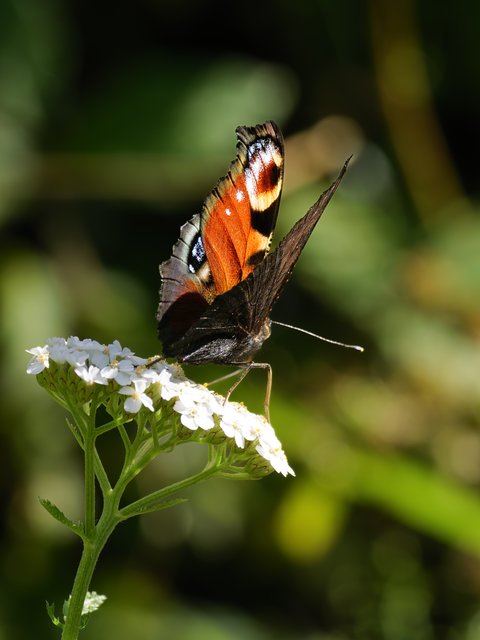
220,284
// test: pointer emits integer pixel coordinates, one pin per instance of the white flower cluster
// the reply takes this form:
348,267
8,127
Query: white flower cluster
93,601
197,406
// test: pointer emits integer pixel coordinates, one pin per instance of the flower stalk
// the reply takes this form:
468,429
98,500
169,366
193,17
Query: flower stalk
154,408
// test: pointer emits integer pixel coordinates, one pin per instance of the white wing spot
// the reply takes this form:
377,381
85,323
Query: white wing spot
228,212
263,155
239,195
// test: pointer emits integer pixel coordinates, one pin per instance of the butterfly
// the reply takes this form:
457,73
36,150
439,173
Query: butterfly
220,283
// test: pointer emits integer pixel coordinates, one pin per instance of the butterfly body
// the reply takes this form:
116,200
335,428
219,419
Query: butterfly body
220,284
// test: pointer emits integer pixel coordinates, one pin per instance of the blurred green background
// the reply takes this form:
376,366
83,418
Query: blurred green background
116,119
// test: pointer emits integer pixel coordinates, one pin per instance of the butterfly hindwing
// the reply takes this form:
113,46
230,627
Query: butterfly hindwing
182,296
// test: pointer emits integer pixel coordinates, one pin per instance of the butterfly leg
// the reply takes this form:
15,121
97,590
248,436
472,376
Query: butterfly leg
228,375
268,391
154,361
243,373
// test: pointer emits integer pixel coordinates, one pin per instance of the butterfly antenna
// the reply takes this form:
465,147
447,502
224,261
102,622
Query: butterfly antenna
314,335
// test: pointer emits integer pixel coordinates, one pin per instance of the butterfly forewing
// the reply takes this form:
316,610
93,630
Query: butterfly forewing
220,247
239,215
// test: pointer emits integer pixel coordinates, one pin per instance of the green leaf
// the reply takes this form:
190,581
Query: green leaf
52,616
154,506
54,511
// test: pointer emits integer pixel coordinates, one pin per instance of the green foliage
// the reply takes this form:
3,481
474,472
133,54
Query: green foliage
51,614
55,512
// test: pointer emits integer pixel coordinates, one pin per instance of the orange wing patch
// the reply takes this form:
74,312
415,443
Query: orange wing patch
240,214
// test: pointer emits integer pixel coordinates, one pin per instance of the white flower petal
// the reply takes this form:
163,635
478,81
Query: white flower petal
132,405
188,421
127,391
40,361
114,350
73,342
91,375
109,372
135,360
123,378
56,342
146,374
147,401
137,398
140,384
98,358
35,367
277,458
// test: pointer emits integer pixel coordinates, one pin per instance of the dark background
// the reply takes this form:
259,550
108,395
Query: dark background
116,119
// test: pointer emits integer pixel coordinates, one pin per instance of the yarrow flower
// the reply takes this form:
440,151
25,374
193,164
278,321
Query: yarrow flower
39,361
118,370
138,397
154,409
139,383
239,424
92,602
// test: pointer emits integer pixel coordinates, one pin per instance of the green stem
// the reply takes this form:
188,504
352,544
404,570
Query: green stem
136,459
125,439
147,502
108,426
138,454
90,481
91,552
101,475
100,472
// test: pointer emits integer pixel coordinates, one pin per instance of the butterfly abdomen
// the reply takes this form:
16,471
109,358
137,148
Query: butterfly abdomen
217,347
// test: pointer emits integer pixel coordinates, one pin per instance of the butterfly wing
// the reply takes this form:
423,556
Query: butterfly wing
220,247
240,214
233,328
